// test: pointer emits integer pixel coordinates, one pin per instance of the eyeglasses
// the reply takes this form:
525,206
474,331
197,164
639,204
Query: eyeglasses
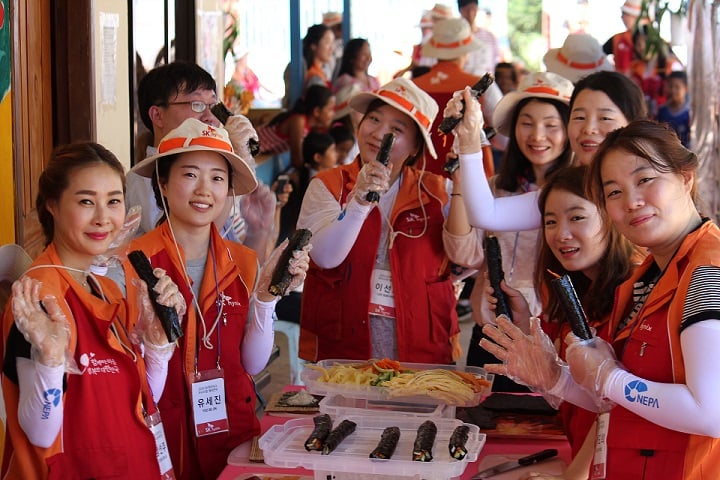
197,106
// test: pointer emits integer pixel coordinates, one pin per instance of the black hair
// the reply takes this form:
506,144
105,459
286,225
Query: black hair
315,96
341,132
622,91
64,161
350,53
679,75
515,164
507,65
161,173
313,143
313,36
168,81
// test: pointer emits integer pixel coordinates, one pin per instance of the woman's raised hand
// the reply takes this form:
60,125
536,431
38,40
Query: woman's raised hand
468,133
43,324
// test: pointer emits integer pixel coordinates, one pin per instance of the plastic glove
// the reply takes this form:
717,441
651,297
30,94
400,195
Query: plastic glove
373,177
469,132
517,302
240,131
258,209
528,359
43,325
591,362
297,267
148,328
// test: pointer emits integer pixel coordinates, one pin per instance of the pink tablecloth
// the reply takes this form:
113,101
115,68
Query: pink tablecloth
493,447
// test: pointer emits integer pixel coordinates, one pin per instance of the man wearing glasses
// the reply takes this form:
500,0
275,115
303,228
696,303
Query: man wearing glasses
167,96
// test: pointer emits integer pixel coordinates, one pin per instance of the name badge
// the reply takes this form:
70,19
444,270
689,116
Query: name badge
382,299
599,463
208,395
154,423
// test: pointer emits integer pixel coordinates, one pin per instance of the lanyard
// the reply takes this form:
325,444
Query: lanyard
219,304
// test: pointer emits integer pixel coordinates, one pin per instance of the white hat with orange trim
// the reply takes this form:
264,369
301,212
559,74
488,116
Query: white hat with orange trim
534,85
451,39
632,7
408,98
342,99
330,19
193,135
580,55
441,11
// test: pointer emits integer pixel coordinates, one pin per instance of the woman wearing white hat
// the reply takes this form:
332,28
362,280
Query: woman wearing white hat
534,119
379,285
579,56
228,331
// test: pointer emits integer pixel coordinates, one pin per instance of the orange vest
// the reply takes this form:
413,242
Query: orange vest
335,319
229,276
637,448
440,83
106,397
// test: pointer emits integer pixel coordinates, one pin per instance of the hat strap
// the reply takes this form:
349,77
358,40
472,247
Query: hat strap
179,142
580,66
456,44
407,105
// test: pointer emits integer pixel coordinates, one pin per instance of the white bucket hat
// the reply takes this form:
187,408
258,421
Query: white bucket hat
441,11
632,7
451,38
193,135
342,99
534,85
405,96
580,55
330,19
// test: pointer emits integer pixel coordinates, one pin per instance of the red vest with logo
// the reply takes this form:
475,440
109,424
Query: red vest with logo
335,319
650,348
103,433
234,268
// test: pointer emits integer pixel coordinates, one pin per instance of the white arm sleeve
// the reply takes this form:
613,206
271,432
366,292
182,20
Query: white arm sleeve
40,404
660,403
259,335
156,368
334,229
571,392
504,214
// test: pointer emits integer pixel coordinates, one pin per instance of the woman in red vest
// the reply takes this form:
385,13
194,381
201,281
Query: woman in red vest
209,397
379,284
79,393
655,378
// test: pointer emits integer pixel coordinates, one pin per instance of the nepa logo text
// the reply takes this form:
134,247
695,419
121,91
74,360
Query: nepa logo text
634,392
51,398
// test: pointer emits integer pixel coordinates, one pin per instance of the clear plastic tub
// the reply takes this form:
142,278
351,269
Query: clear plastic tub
339,405
284,446
313,384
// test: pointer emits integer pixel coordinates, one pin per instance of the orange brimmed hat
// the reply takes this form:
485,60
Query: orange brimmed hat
342,99
535,85
405,96
193,135
632,7
451,38
332,18
580,55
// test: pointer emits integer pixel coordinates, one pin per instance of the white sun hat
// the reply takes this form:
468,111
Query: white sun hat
536,85
193,135
407,97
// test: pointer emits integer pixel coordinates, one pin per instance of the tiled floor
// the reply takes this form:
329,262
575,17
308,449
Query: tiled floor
279,369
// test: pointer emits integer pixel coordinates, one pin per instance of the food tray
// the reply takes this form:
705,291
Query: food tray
284,446
311,378
337,405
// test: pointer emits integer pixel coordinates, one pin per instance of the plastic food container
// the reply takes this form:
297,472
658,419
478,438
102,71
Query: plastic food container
311,378
338,405
283,446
